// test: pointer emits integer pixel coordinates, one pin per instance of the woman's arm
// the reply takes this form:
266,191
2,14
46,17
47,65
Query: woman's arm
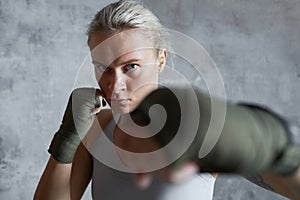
65,181
62,181
78,117
83,163
55,181
288,186
81,172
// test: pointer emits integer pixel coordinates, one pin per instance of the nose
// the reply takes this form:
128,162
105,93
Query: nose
117,82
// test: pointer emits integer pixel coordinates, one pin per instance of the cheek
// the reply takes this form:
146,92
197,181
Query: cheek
142,83
145,77
103,83
141,86
98,75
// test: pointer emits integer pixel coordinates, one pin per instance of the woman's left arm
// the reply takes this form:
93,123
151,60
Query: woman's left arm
288,186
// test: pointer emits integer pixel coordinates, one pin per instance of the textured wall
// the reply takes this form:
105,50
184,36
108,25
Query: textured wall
254,43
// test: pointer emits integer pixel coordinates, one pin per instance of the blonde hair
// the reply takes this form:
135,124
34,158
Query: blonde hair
128,14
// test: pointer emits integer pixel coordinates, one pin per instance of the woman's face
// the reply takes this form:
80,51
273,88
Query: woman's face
126,67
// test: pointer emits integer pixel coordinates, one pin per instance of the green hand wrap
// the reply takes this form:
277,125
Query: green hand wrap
253,139
76,122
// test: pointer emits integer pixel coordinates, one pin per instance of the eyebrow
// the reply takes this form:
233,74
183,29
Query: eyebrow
96,62
129,61
122,63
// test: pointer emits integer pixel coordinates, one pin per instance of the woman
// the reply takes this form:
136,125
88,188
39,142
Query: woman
128,50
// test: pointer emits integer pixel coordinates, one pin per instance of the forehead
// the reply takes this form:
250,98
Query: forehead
106,48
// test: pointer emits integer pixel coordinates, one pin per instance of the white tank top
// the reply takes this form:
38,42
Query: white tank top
112,184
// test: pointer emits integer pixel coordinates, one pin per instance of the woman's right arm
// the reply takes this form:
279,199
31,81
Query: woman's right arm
55,181
81,172
78,118
82,166
66,181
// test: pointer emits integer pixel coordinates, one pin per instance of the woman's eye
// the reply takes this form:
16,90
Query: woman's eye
130,67
103,68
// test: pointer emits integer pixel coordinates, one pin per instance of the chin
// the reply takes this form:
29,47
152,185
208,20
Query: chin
121,111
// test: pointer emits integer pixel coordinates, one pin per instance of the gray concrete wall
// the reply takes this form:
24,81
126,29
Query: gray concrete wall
254,43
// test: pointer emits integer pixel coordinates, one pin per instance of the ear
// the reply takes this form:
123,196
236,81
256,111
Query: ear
162,59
